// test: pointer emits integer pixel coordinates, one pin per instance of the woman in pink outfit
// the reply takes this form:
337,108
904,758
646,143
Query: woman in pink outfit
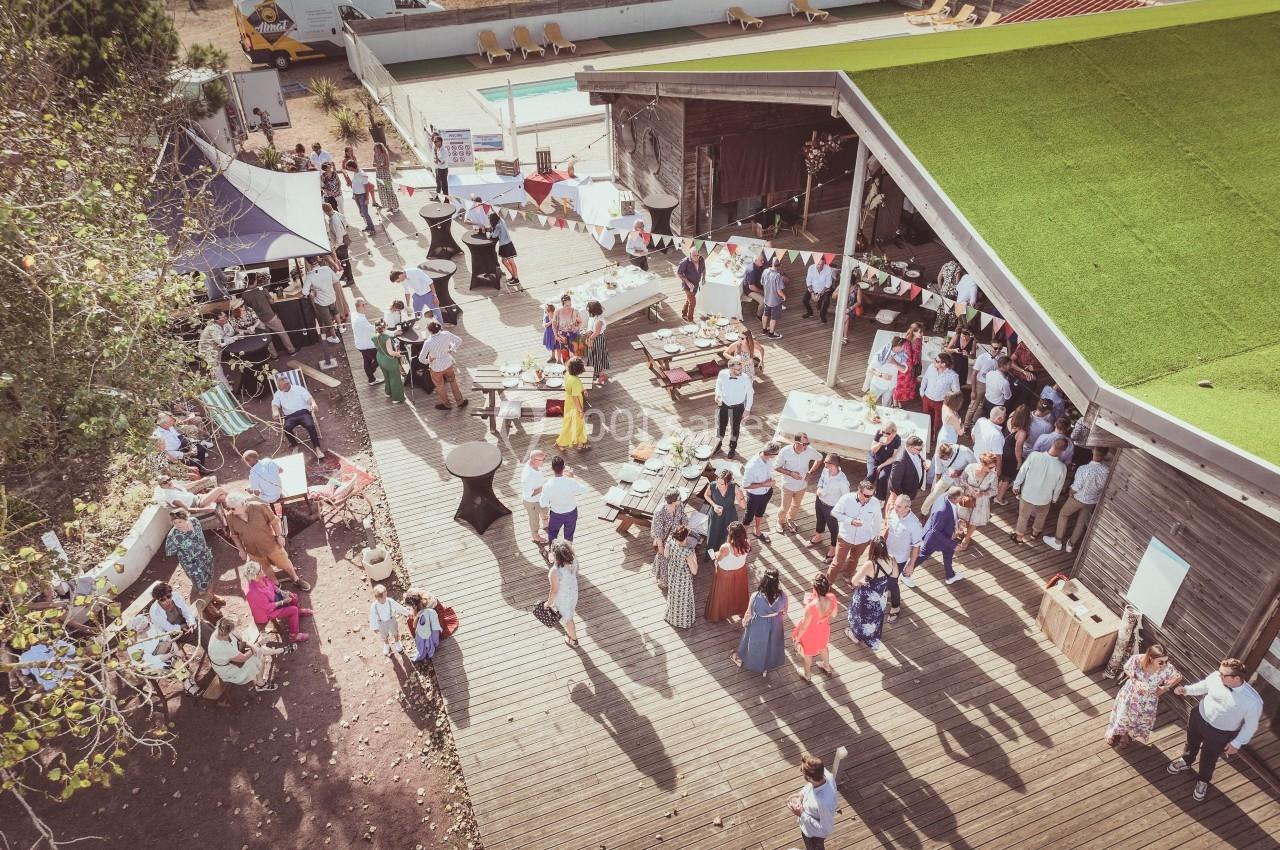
268,602
813,632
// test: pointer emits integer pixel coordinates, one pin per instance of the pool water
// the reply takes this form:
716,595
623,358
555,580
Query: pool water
498,94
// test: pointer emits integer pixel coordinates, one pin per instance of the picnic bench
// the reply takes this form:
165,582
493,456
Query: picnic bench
493,381
689,365
630,508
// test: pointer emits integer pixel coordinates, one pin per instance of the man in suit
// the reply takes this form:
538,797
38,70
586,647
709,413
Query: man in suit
939,531
906,475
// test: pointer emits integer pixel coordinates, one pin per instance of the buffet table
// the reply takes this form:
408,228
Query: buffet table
721,290
634,290
492,188
596,202
843,425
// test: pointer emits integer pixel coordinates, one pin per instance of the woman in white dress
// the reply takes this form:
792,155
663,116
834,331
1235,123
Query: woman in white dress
562,590
236,661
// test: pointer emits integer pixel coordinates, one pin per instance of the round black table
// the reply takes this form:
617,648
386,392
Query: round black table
440,225
411,344
441,272
476,463
660,205
247,355
484,261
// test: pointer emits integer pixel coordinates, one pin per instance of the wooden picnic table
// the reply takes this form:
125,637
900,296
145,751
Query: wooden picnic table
662,361
491,380
630,508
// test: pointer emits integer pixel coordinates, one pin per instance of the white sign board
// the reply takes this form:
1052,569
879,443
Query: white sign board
1155,584
458,149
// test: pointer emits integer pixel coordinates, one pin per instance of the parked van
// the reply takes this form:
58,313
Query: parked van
278,32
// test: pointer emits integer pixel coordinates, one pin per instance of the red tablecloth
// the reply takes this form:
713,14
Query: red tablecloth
538,186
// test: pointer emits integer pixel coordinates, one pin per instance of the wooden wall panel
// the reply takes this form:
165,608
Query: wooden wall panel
1235,571
632,168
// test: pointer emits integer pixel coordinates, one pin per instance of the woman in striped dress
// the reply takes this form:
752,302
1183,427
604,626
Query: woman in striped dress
597,345
382,170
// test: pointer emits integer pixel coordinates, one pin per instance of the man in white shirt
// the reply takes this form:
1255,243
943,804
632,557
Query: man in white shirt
362,333
264,477
982,366
734,395
320,286
559,498
859,516
903,537
336,224
531,480
1086,492
757,483
419,291
171,615
937,382
815,805
1224,721
437,356
362,189
833,485
319,157
440,164
988,434
797,463
998,389
294,406
817,286
1037,486
967,290
638,246
177,446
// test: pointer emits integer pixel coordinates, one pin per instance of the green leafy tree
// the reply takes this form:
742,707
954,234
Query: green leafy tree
104,41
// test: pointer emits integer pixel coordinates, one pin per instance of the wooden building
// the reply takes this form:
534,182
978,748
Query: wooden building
1192,500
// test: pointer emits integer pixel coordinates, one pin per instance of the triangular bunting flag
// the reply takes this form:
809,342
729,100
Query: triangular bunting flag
487,209
915,291
996,324
959,309
697,244
542,219
650,239
1008,330
883,277
409,191
731,248
969,314
828,258
792,254
598,229
560,223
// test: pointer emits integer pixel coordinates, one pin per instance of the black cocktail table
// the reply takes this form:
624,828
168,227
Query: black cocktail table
660,206
476,463
247,355
439,219
484,261
441,272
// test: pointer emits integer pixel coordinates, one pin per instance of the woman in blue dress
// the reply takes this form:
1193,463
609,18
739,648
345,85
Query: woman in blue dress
763,646
870,596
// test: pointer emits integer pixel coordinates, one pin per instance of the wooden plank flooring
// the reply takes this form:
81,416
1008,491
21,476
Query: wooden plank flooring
969,730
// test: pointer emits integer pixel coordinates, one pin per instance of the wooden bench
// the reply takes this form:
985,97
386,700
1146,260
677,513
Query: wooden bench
314,374
695,376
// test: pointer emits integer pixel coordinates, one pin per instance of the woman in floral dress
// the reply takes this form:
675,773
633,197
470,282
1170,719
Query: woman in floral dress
682,566
946,286
1134,714
186,541
665,520
907,387
870,596
980,483
382,171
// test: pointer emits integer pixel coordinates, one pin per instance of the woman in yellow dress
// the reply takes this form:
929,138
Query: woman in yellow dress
573,430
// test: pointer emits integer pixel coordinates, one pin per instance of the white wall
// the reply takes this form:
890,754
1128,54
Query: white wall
460,39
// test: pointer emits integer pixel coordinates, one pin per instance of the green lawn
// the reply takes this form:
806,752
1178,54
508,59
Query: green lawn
422,68
653,38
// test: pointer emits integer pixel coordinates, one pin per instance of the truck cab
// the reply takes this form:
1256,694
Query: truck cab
280,32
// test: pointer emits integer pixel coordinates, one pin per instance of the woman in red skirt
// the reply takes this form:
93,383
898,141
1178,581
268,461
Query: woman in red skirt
729,594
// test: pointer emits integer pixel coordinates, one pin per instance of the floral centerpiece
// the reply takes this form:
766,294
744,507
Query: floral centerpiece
872,412
680,453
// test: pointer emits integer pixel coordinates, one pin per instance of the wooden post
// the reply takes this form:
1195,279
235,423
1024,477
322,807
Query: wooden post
808,187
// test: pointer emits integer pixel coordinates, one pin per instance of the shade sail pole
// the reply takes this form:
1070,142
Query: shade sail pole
846,264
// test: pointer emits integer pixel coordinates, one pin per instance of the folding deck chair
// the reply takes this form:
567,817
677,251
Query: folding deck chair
225,413
810,13
738,15
920,17
523,41
342,497
295,376
551,32
957,20
489,47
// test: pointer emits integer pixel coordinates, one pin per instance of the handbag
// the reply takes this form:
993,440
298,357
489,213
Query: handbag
967,501
546,616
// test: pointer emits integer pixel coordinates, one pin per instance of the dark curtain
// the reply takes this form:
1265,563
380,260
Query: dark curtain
755,164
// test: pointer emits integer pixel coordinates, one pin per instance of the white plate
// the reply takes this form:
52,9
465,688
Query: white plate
553,369
630,472
722,322
816,415
820,400
529,377
555,383
703,342
642,486
655,464
511,368
692,471
664,445
510,383
702,452
663,333
673,348
731,336
689,329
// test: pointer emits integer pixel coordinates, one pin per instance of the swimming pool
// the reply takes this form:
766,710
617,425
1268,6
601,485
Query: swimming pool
542,104
498,94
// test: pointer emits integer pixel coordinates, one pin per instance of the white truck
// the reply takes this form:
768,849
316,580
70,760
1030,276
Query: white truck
279,32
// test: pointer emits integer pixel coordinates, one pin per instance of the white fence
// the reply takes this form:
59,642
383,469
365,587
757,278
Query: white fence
408,38
395,101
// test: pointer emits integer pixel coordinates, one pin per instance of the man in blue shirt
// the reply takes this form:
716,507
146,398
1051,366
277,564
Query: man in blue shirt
751,286
690,273
264,477
775,292
815,804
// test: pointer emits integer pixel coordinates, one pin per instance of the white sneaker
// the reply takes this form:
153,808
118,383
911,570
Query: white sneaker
332,340
386,650
398,646
955,578
1052,542
1070,548
906,580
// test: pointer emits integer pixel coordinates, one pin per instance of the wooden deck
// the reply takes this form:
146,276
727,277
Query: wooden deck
969,730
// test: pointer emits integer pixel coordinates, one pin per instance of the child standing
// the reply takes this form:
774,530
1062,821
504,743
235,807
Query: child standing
384,618
549,331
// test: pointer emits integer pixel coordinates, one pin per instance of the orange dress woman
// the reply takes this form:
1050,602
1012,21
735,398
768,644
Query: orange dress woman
813,633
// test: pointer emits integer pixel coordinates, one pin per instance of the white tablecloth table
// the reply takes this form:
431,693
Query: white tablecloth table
749,247
596,202
721,290
293,477
633,287
929,350
492,188
842,425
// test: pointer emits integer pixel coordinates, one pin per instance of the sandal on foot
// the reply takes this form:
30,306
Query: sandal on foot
267,688
571,642
733,656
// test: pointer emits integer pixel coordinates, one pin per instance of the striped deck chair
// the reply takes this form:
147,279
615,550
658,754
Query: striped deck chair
225,413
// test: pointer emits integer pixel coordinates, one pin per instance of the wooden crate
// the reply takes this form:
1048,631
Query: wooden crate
1079,625
507,167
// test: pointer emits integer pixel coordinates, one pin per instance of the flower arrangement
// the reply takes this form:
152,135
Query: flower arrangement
817,151
679,453
871,407
529,362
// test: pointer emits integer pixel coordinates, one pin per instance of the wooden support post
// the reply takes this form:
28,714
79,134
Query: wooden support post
808,187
